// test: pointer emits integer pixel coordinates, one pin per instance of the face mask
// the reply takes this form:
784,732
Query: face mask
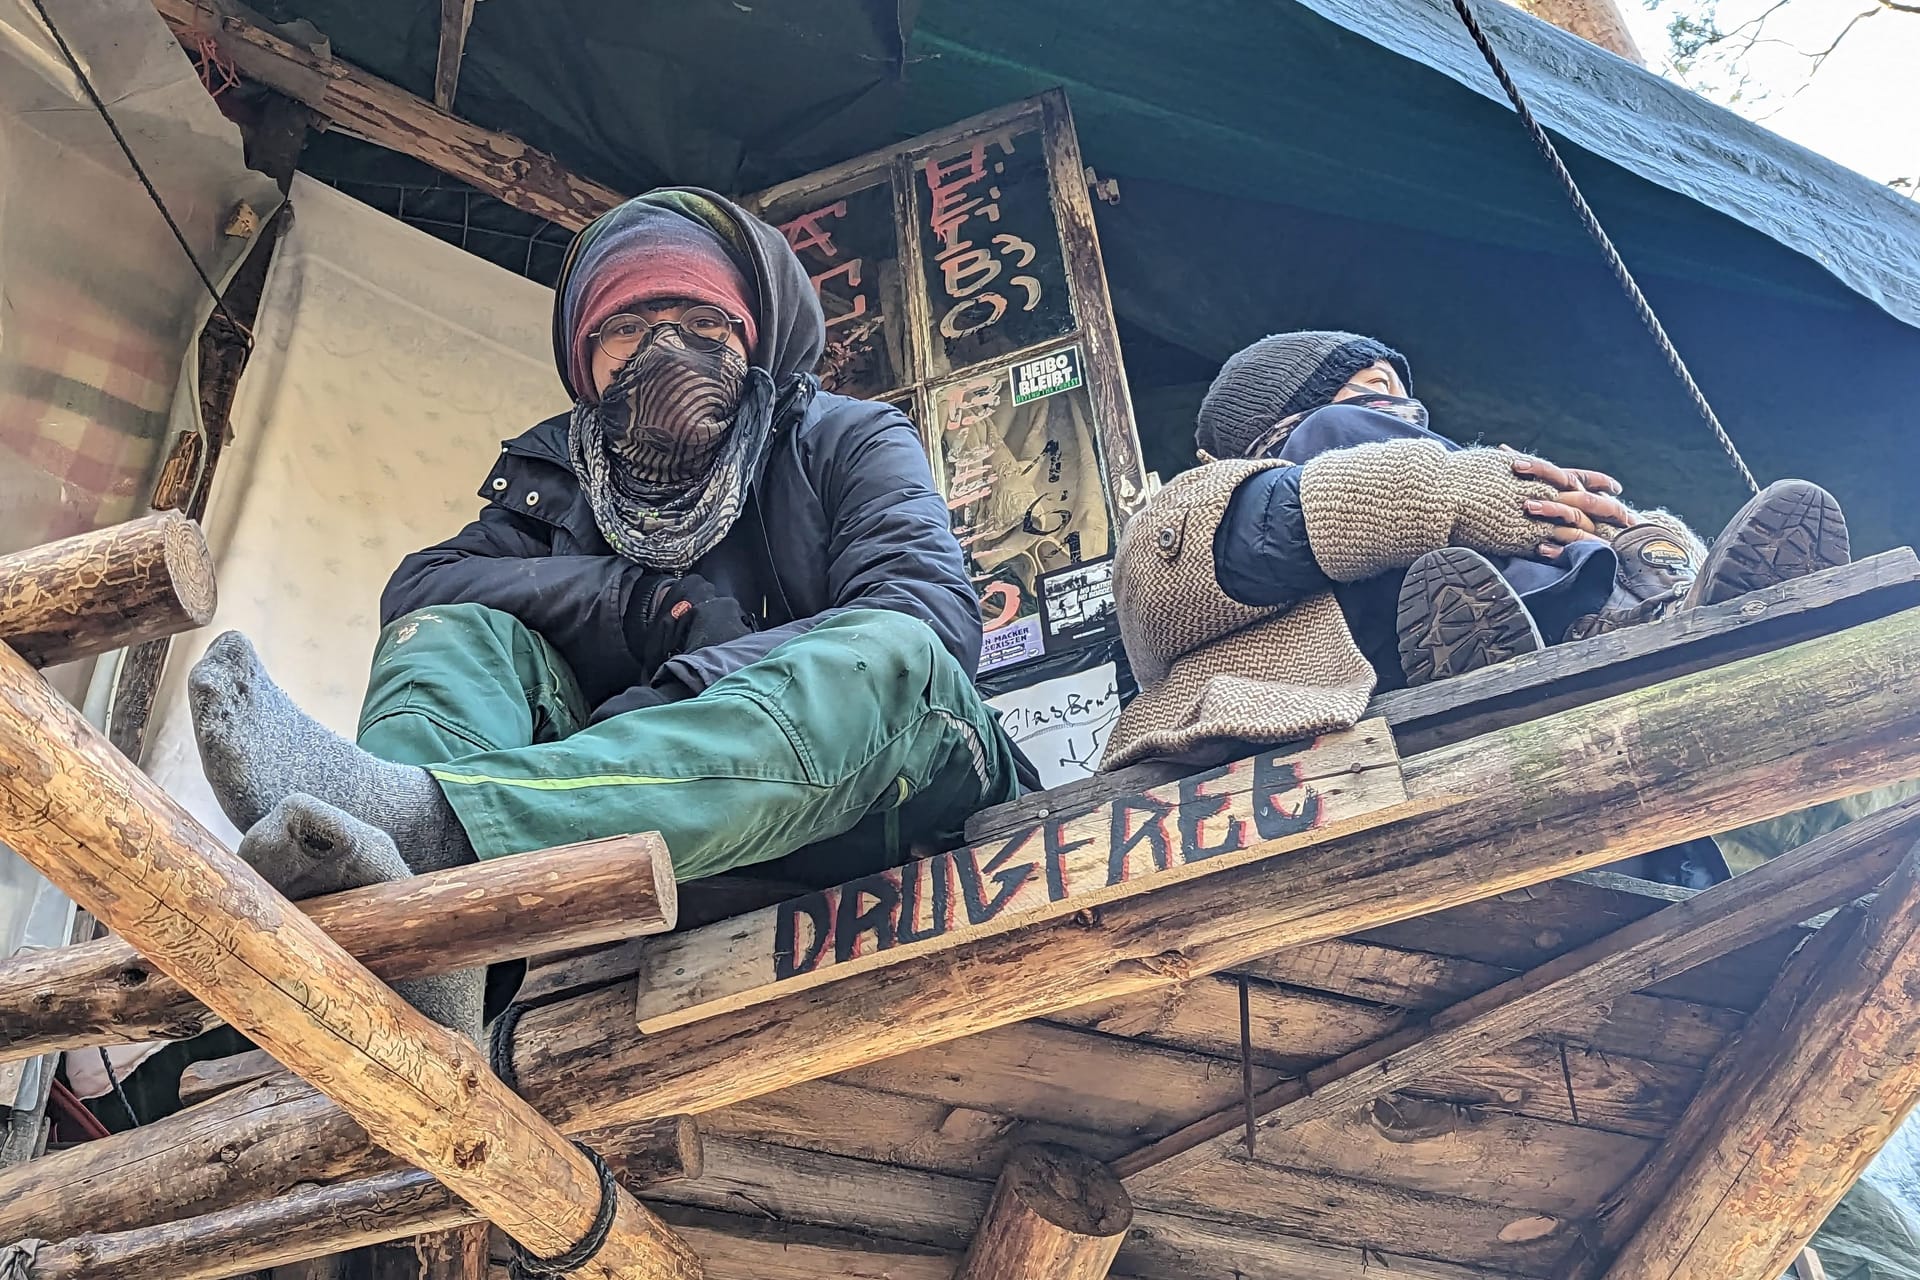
670,408
1405,408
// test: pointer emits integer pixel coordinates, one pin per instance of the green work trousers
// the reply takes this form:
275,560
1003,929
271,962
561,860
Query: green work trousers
864,732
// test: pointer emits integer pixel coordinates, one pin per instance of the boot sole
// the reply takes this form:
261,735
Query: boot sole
1790,529
1457,614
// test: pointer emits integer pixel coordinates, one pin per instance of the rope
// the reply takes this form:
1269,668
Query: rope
1592,223
500,1044
527,1266
93,96
120,1090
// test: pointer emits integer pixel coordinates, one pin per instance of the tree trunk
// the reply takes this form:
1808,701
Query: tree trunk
105,590
1055,1215
1795,1109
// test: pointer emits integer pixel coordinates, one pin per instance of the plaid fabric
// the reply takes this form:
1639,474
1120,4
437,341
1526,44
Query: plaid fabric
84,396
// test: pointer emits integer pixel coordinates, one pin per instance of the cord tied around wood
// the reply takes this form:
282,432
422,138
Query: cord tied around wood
526,1266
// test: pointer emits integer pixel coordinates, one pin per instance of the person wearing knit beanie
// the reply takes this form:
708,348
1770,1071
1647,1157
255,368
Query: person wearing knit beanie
1281,377
1330,526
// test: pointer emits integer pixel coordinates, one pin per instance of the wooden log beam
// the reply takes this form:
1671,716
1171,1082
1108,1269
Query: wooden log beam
387,1206
1055,1215
1816,877
103,992
1800,1104
497,163
1204,825
456,17
106,589
1571,791
116,843
459,1253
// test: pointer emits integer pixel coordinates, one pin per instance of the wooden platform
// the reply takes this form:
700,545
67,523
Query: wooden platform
856,1126
1496,1168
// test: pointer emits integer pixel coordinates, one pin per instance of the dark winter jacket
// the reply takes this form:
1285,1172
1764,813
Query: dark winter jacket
1262,558
843,515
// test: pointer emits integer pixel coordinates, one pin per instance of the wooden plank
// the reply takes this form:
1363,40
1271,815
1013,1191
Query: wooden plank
1824,1076
209,1078
1056,1214
1823,873
1579,674
370,108
108,836
940,1211
1206,824
456,17
388,1206
1575,790
103,992
1564,676
1488,1154
106,589
1121,463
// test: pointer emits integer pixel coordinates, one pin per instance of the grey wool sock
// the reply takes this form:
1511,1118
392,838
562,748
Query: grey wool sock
304,848
258,748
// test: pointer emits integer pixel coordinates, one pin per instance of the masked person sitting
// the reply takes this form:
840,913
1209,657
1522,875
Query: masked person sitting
1333,545
712,601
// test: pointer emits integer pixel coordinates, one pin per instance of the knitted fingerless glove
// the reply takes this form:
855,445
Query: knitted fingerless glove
1381,506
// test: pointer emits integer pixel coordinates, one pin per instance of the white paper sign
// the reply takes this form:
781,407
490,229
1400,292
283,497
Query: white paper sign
1062,724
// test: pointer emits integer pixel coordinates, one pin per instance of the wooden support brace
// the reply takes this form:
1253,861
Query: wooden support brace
456,16
388,1206
120,846
578,895
105,590
1793,1111
1820,875
1055,1215
497,163
1565,793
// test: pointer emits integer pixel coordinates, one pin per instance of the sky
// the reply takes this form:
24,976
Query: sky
1861,108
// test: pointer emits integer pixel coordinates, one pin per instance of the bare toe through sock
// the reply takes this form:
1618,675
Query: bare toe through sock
258,748
305,847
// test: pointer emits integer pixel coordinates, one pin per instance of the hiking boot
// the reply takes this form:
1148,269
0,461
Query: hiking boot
1790,529
1457,614
1656,571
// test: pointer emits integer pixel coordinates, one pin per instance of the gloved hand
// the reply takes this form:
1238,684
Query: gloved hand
668,616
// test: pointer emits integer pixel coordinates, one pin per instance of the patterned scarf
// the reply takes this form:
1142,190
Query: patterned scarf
667,455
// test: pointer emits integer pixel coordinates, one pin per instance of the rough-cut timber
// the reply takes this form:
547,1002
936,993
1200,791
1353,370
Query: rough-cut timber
455,17
497,163
599,891
116,843
1055,1215
457,1254
1805,1098
105,590
1204,824
211,1077
1529,803
388,1206
1816,877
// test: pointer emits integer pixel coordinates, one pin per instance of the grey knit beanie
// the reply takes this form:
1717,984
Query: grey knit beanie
1279,376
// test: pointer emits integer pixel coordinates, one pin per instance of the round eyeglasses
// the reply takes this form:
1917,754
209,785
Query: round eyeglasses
702,328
